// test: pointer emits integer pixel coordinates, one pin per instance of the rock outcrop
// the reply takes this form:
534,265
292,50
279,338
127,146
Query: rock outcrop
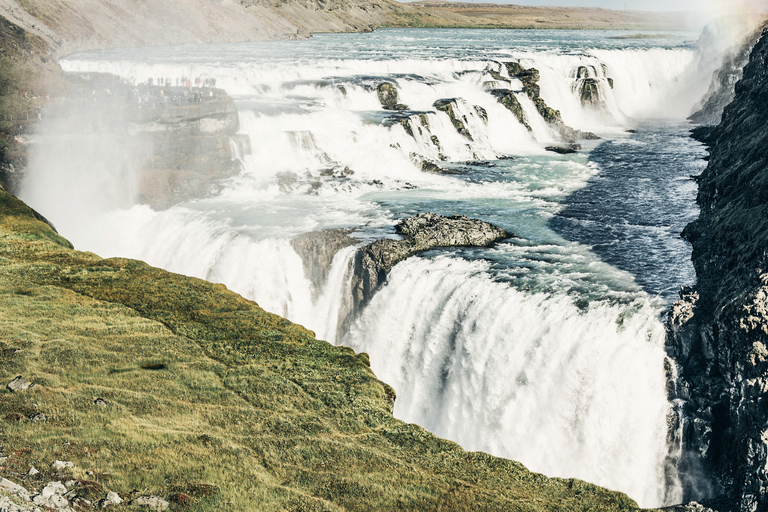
718,332
722,89
588,82
459,121
529,77
421,233
169,143
317,250
388,97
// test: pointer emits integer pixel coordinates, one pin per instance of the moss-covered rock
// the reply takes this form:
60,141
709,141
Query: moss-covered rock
448,105
530,78
388,97
510,101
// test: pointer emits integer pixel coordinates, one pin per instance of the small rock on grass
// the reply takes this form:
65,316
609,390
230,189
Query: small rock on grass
112,499
154,503
19,384
61,464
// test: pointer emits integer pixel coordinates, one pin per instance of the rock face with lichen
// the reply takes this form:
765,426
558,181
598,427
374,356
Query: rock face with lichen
718,332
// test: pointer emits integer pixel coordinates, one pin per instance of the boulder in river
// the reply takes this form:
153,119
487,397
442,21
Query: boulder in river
388,97
420,233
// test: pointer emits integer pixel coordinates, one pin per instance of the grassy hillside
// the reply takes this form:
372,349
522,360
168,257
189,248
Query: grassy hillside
436,14
213,403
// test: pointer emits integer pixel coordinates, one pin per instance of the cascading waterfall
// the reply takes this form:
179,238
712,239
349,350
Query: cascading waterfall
537,351
575,392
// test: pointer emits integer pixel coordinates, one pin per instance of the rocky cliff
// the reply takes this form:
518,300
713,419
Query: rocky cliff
719,329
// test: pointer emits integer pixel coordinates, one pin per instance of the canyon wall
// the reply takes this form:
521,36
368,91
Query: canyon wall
719,329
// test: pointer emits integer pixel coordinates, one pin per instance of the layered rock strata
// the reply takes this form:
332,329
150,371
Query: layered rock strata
718,332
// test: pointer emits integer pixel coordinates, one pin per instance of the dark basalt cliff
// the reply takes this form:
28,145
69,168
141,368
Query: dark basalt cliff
719,330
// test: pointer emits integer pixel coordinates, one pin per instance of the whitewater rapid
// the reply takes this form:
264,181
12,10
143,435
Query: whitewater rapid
537,349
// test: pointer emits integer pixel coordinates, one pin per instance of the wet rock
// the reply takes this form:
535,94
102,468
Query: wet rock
481,113
420,233
19,384
449,106
317,250
589,93
388,97
689,507
564,150
433,168
717,332
587,80
530,78
436,142
510,101
722,90
153,503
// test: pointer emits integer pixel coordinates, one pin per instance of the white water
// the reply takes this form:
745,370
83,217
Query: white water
548,356
531,377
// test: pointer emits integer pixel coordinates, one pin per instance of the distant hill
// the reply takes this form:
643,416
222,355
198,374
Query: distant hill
65,26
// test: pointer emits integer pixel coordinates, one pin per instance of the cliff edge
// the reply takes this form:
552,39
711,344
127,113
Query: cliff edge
124,380
719,329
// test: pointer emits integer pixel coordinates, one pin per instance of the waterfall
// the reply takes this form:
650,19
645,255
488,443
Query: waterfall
568,391
526,353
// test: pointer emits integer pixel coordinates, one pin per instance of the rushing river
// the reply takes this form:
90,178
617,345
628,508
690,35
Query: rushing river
547,348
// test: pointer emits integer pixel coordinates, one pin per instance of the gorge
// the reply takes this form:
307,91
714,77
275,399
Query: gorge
546,347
